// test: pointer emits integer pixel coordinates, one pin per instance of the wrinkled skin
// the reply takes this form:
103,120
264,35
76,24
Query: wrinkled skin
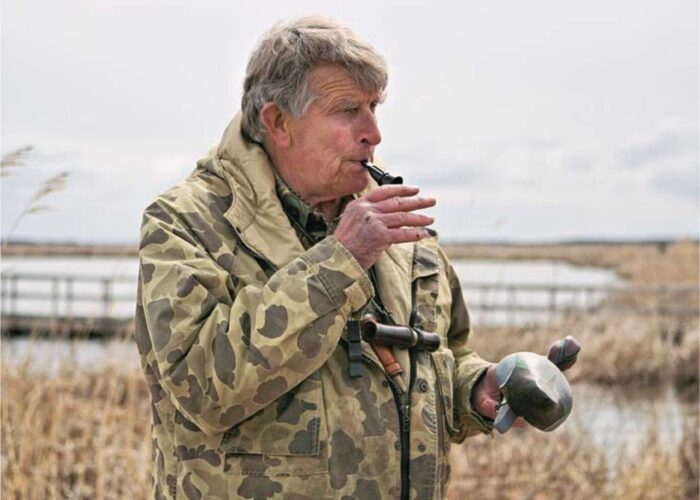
319,156
381,218
240,331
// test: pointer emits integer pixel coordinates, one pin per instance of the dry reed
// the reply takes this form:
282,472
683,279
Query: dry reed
74,434
527,464
616,350
81,433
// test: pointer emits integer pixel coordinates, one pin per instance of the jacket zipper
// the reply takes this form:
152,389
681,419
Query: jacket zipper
403,407
406,434
402,400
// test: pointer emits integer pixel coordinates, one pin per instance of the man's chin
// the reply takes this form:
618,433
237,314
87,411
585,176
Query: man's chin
363,181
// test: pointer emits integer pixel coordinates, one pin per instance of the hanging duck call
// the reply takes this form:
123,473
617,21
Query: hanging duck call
380,176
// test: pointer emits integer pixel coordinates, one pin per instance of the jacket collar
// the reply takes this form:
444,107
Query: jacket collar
256,213
258,218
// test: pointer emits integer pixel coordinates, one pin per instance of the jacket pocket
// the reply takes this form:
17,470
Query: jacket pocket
444,364
424,288
288,437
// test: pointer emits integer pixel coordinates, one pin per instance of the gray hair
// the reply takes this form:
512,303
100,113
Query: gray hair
280,66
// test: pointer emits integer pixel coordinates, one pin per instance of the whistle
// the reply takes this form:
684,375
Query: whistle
380,176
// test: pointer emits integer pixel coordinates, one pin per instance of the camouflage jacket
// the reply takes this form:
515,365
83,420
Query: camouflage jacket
241,333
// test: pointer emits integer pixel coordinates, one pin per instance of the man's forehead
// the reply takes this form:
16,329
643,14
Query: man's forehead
333,83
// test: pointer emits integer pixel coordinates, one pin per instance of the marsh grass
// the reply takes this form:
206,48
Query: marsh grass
616,350
84,433
74,434
527,464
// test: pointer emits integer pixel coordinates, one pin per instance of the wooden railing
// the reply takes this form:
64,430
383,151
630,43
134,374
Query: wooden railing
67,305
110,300
58,290
673,300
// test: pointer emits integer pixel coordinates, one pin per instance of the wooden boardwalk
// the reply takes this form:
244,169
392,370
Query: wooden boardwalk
64,327
102,306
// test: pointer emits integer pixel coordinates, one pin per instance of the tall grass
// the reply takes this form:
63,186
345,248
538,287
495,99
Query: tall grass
616,350
527,464
84,433
74,434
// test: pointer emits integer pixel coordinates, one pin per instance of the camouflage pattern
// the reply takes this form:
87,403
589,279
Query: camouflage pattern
240,332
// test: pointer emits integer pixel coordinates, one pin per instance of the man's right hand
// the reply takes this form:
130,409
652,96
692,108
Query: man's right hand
373,222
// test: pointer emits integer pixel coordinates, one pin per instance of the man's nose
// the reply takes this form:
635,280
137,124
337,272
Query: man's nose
369,131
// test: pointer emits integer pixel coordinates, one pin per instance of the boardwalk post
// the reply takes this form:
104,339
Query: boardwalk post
13,294
69,297
552,302
106,296
54,297
4,295
589,300
511,304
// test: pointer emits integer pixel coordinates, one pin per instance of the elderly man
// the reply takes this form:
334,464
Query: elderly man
252,270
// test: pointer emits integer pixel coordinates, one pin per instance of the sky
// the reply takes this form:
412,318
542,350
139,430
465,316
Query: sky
527,121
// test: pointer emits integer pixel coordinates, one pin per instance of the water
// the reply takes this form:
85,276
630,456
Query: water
471,272
478,276
50,355
621,419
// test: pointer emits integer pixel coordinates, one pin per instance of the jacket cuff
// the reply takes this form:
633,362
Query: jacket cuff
355,287
471,421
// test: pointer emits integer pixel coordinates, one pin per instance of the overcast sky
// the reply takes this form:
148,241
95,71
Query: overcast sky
537,120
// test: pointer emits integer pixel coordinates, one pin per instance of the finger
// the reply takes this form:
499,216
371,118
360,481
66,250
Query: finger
389,191
520,423
401,219
404,204
405,235
489,405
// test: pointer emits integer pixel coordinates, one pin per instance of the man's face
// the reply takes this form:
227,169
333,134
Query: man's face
327,145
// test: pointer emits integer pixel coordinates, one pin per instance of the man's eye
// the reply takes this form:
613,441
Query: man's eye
350,111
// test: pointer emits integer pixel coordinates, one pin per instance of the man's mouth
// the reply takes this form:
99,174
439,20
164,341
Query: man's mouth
361,161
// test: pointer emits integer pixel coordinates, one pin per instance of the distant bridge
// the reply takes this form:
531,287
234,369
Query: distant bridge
103,306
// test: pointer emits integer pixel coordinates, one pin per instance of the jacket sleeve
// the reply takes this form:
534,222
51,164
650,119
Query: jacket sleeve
469,366
220,355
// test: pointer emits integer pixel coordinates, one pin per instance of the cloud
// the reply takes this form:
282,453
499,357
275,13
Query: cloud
666,158
514,116
682,182
669,141
433,165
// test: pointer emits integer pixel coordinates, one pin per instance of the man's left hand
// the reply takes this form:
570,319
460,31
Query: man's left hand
486,396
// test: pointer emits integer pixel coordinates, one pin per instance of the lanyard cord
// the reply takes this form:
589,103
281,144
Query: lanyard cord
376,299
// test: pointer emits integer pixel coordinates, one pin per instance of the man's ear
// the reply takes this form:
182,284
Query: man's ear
276,122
